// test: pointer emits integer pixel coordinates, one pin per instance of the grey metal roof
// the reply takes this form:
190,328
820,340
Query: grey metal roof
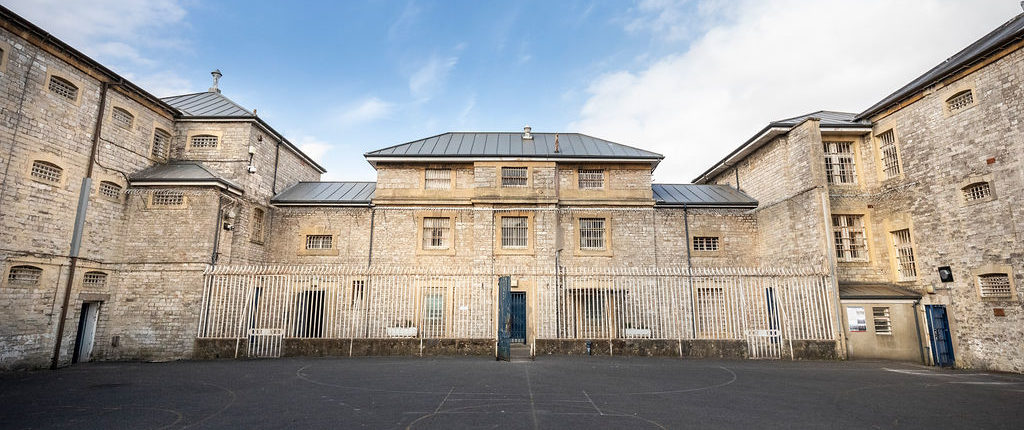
507,144
179,171
875,291
1010,32
827,118
208,104
327,193
693,195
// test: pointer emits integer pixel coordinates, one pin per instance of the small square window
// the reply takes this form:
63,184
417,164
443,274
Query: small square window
110,190
437,179
883,325
590,178
513,177
319,241
705,243
46,172
995,285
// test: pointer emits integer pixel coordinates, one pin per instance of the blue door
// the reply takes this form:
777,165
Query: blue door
942,342
504,317
518,304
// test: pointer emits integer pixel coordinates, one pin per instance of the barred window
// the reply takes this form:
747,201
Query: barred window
161,141
840,167
977,191
705,243
358,290
257,225
513,177
711,314
890,155
592,234
110,190
437,179
46,172
591,178
960,100
883,325
94,280
63,88
122,117
319,241
851,241
204,141
436,234
24,275
167,198
435,306
514,232
994,285
905,267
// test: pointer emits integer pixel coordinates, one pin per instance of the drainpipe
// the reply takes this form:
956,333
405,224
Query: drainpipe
369,257
686,227
216,231
917,324
277,156
689,278
76,235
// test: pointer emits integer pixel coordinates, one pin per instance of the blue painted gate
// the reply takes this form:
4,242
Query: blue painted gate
504,318
941,341
518,311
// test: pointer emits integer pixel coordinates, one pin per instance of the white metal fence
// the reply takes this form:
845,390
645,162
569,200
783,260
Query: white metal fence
265,304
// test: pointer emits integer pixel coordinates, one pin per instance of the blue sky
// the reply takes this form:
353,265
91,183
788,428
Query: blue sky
689,79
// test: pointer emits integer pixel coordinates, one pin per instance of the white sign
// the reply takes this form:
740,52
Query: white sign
266,332
855,318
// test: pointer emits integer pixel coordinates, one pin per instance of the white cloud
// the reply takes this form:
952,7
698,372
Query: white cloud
766,60
314,147
365,111
430,77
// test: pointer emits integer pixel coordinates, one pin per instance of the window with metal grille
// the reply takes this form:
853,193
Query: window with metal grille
358,289
110,190
94,280
994,285
960,100
590,178
593,305
840,167
161,141
513,176
904,249
514,232
977,191
435,306
705,243
711,316
46,172
437,179
890,155
122,117
63,88
436,232
592,234
257,225
851,241
167,198
24,275
204,141
883,325
319,241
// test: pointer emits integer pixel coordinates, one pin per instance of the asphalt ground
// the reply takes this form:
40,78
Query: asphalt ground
551,392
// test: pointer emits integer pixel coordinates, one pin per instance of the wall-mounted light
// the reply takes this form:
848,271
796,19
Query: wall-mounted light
945,274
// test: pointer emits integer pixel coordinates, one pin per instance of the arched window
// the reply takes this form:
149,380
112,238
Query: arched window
46,172
94,280
960,100
110,190
161,141
62,87
24,275
204,141
977,191
122,117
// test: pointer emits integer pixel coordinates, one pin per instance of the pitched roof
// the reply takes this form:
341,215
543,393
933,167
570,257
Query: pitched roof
829,119
508,144
327,194
180,172
1010,32
693,195
208,104
875,291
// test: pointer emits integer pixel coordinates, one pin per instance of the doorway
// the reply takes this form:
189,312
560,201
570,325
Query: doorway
518,309
942,342
86,332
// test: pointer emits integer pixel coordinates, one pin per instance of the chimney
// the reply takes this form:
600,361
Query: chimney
216,77
526,133
556,143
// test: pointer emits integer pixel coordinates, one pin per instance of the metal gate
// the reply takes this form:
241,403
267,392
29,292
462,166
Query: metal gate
765,342
518,312
942,342
504,318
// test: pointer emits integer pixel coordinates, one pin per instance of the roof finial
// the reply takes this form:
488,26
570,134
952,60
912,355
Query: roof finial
526,133
216,77
556,143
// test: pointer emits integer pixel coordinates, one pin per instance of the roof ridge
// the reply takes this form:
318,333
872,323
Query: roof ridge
620,144
406,143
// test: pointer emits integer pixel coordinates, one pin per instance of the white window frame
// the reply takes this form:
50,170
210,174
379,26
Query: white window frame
706,243
987,282
590,179
319,241
840,162
437,178
436,233
593,234
515,177
889,154
515,232
881,320
850,235
903,248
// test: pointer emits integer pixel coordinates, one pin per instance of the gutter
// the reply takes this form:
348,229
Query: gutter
770,131
189,183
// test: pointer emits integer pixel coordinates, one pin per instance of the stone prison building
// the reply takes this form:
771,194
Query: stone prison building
141,228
